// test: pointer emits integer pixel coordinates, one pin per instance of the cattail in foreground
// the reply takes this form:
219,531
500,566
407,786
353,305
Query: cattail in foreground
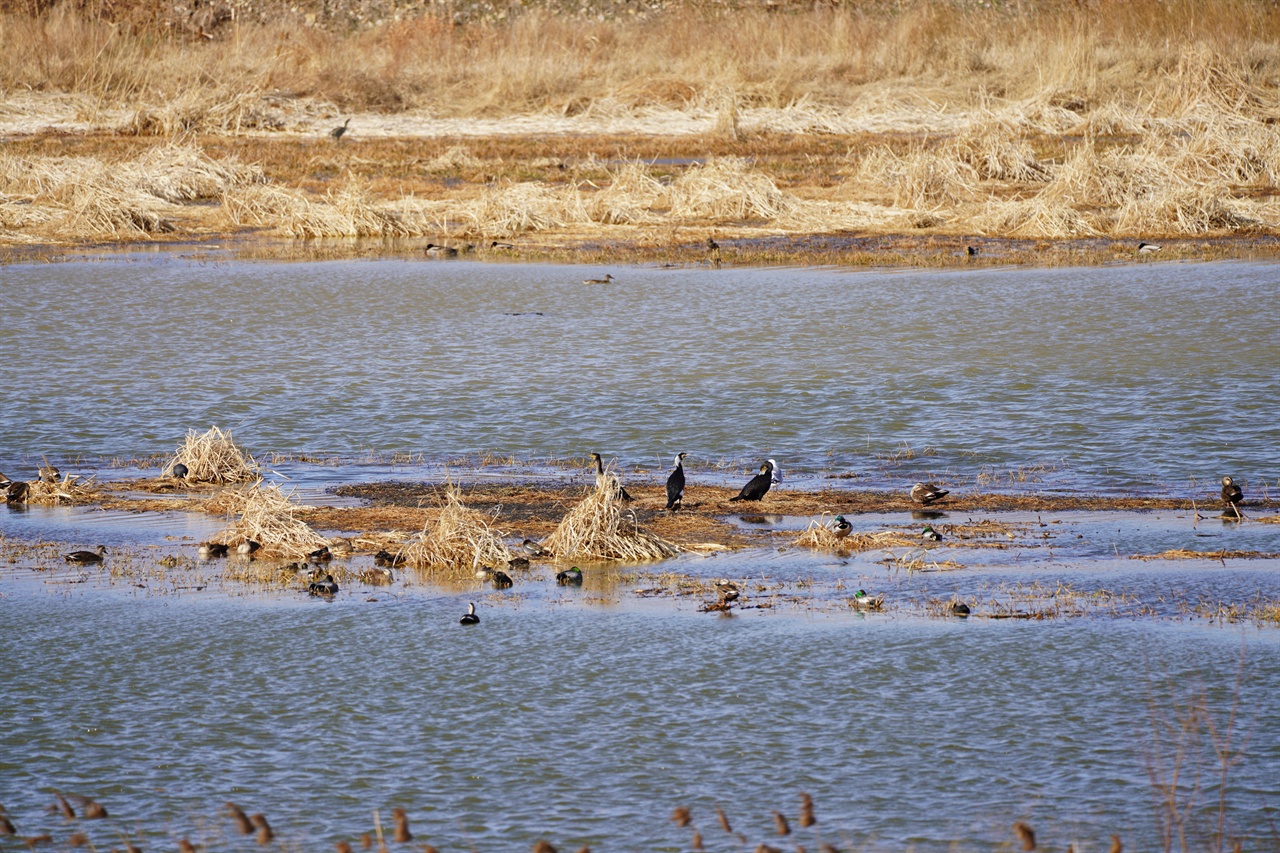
130,847
780,821
681,816
806,811
6,826
829,848
403,835
343,847
33,840
696,843
264,829
93,810
1116,846
185,846
765,848
65,807
543,846
77,839
724,821
366,841
1026,835
584,849
242,820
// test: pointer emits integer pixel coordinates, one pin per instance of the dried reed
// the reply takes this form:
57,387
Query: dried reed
725,189
70,489
598,529
269,517
461,542
213,457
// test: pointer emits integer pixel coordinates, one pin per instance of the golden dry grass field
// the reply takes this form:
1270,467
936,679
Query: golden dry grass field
897,132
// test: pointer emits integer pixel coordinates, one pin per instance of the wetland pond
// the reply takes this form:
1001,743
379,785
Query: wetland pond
586,715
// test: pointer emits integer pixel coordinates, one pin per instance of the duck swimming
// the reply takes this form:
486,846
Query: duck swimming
247,547
387,559
325,586
85,558
927,493
930,535
212,550
570,577
470,617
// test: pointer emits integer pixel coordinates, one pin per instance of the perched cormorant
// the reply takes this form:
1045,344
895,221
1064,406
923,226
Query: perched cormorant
622,490
675,484
758,486
337,132
1232,494
930,535
570,577
843,527
84,558
608,278
470,617
927,493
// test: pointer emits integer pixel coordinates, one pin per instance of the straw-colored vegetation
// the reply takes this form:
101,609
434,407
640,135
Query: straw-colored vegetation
269,517
71,489
461,542
821,535
1143,119
213,457
599,528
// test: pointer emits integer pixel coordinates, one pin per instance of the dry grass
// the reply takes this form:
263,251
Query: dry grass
599,529
1187,554
461,541
270,518
213,457
70,489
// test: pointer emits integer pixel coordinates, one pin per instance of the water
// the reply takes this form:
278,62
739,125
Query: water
1149,377
586,716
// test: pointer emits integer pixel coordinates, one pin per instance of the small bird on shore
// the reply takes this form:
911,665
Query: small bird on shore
930,535
758,486
1232,494
470,617
440,251
570,577
675,484
927,493
337,132
608,278
1148,248
843,527
212,550
181,471
972,250
85,558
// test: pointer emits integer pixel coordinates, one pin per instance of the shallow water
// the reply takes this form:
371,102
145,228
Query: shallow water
587,715
1159,377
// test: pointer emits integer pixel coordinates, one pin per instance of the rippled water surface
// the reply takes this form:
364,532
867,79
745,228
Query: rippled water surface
1150,375
587,715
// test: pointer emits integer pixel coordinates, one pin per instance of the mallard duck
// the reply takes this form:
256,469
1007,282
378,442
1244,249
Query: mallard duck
518,564
675,484
320,555
930,535
84,558
387,559
758,486
927,493
1232,494
1148,248
212,550
440,251
726,590
865,601
533,549
843,527
605,280
247,547
337,132
326,586
958,608
18,491
500,580
570,577
377,576
470,617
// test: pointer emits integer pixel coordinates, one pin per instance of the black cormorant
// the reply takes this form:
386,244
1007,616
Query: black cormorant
675,484
758,486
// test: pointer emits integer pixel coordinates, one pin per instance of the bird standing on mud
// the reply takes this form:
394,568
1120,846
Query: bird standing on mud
337,132
1232,494
758,486
927,493
675,484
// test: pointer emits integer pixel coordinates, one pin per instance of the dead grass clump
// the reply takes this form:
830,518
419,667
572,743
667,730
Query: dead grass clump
628,199
996,154
726,189
70,489
598,529
921,178
269,517
461,542
177,173
820,535
527,206
1188,554
213,457
1181,210
346,211
456,158
1035,217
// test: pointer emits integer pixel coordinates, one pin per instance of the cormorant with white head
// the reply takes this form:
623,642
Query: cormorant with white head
675,484
758,486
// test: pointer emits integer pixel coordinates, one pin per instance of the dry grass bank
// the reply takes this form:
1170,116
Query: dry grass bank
1042,121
